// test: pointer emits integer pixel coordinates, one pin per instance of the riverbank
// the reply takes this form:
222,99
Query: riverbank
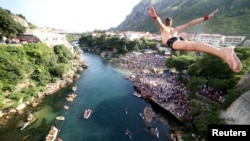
67,78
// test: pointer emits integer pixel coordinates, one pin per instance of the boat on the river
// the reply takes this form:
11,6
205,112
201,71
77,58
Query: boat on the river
87,113
52,134
128,132
69,99
25,125
72,95
60,118
74,88
142,116
126,111
66,107
156,132
137,94
30,117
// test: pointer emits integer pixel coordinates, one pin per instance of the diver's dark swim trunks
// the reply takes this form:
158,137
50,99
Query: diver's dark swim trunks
171,41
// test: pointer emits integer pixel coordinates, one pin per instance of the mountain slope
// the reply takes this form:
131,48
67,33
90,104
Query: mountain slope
233,17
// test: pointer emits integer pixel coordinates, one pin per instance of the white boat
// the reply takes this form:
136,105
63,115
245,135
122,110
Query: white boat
60,118
66,107
156,132
25,125
137,94
52,134
126,111
30,117
141,115
87,113
129,134
74,88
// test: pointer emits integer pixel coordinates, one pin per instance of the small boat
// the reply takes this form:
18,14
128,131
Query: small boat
129,134
74,88
66,107
137,94
87,113
156,132
72,95
30,117
141,115
126,111
25,125
69,99
60,118
52,134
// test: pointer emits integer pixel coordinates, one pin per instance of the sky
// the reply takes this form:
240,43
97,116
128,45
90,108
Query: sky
72,15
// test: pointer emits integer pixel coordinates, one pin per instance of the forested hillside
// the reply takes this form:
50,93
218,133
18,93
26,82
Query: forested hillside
233,17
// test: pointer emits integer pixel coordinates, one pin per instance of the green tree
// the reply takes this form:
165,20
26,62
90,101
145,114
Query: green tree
180,62
9,27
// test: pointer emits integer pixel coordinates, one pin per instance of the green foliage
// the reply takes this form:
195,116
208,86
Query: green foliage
12,71
232,95
58,69
21,16
62,53
195,83
113,43
9,27
34,62
72,37
211,117
180,62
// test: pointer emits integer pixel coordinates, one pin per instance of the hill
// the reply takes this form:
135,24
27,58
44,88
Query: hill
233,17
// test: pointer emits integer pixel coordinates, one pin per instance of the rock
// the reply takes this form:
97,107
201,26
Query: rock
21,107
1,113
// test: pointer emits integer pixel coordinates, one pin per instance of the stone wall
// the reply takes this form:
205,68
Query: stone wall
239,111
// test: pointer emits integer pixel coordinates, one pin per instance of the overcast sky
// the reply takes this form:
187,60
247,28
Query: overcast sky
72,15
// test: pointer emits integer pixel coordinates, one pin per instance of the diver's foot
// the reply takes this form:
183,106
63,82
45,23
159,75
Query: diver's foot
232,59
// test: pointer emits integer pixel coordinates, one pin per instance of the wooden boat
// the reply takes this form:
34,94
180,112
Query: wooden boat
87,113
60,118
137,94
52,134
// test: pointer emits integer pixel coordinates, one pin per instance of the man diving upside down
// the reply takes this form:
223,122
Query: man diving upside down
170,38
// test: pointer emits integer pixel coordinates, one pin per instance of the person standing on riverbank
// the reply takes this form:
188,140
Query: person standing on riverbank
170,38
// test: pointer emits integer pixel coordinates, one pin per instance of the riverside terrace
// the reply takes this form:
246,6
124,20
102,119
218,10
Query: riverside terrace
163,89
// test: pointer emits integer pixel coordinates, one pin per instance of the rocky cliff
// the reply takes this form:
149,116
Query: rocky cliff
230,11
20,20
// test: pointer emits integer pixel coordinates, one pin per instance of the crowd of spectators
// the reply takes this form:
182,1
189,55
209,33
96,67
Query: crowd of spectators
211,93
165,89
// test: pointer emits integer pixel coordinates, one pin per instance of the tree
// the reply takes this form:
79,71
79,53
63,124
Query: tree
9,27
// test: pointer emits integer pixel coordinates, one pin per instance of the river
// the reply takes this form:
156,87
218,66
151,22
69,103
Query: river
102,88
